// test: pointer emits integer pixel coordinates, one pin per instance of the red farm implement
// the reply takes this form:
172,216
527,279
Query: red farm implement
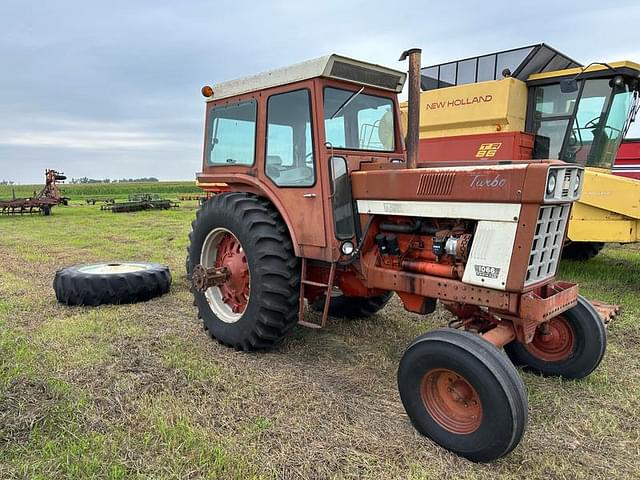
42,202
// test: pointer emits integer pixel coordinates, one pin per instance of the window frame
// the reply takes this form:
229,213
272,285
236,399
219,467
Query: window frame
364,92
209,132
313,143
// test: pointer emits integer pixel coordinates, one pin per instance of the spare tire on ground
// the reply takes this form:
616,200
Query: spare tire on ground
111,283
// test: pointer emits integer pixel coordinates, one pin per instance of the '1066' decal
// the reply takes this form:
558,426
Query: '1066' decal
487,271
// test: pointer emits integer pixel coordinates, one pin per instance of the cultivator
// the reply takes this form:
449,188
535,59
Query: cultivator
42,202
138,203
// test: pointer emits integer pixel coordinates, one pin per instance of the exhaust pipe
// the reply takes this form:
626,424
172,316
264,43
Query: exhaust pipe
413,123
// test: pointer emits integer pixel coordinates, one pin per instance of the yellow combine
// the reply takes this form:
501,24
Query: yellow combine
536,103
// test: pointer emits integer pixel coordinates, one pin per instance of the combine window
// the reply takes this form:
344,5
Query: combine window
357,121
584,126
231,139
289,161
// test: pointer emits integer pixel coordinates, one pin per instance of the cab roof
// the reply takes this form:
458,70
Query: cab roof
330,66
623,66
517,63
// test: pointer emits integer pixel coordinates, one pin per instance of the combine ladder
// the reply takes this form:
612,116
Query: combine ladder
327,297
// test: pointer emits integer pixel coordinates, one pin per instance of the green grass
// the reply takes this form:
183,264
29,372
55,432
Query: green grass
139,391
106,190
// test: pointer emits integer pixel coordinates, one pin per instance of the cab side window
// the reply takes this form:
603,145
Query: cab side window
289,161
232,134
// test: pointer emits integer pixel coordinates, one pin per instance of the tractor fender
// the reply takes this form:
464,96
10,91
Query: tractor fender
238,182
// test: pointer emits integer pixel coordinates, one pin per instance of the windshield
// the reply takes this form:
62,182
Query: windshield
360,122
599,124
584,126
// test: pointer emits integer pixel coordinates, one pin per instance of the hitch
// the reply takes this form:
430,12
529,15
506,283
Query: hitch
205,278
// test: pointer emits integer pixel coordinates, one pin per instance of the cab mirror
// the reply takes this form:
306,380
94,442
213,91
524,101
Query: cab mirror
569,85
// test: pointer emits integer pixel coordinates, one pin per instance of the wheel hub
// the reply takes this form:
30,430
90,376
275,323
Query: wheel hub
235,290
451,401
227,283
553,341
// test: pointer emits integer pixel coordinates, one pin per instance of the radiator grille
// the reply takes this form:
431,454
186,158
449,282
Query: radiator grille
547,242
436,184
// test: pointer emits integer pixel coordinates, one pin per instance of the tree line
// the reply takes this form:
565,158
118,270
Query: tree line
108,180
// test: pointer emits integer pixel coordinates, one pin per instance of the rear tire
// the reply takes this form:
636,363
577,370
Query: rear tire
573,346
582,250
463,393
353,307
258,305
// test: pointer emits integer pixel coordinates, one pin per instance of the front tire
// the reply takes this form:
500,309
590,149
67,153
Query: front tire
463,393
572,345
258,304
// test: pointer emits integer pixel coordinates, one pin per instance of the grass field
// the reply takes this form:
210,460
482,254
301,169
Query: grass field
139,391
104,190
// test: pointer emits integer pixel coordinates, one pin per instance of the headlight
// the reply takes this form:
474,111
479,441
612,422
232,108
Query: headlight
347,248
577,187
551,183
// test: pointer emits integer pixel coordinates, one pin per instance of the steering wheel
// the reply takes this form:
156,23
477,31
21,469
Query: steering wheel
593,123
306,158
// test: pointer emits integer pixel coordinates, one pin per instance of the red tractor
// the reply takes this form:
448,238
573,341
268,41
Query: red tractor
316,198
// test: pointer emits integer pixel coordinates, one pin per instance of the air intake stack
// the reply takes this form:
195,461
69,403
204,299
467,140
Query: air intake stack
413,123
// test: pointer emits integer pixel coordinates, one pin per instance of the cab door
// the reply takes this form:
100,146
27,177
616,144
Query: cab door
291,164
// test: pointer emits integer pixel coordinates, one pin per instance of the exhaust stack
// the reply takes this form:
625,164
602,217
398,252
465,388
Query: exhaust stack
413,123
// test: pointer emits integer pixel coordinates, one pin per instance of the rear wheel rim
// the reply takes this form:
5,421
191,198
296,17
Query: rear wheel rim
553,342
451,401
229,300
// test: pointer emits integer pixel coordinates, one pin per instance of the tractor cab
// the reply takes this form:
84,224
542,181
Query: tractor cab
294,134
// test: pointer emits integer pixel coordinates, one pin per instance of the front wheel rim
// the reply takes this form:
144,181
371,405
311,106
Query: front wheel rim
451,401
553,342
228,301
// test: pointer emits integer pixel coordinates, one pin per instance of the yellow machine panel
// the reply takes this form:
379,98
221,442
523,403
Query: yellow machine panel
485,107
608,210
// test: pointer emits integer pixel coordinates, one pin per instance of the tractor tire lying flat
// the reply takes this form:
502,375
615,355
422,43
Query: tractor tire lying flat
111,283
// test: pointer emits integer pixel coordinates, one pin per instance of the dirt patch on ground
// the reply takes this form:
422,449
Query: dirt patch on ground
24,404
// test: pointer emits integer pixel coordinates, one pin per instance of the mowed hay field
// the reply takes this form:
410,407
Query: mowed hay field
139,391
119,190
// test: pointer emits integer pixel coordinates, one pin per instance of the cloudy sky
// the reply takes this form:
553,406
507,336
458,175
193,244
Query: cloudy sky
112,88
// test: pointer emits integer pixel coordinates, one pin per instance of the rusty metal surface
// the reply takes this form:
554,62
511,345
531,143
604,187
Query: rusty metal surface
413,134
606,311
549,302
441,288
205,278
544,304
48,197
503,333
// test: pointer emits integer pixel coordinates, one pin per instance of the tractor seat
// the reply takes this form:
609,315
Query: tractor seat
274,162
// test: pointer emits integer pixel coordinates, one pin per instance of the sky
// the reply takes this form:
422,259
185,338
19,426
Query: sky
111,89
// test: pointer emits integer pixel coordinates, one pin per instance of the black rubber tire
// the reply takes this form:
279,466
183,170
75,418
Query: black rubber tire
501,391
46,210
590,345
272,310
353,307
581,250
75,287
